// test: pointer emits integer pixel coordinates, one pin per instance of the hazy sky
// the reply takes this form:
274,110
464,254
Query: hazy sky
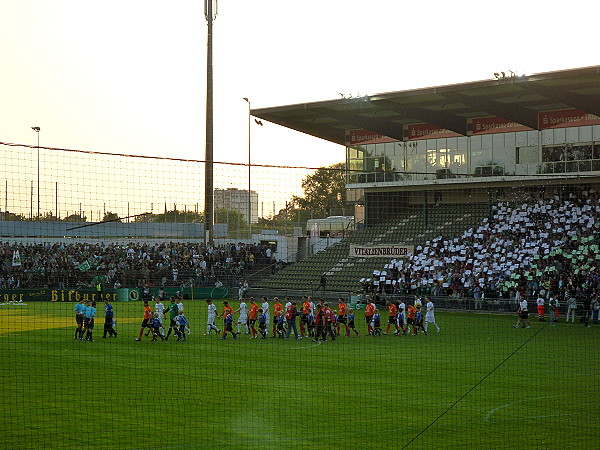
128,76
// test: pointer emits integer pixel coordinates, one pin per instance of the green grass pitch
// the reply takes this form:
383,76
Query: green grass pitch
518,388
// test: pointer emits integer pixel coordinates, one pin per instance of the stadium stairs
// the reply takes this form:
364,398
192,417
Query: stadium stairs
344,272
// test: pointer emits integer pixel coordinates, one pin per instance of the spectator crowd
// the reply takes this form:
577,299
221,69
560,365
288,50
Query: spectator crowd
546,247
66,265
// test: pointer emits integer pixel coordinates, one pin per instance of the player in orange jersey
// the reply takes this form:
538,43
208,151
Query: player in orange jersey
393,309
146,321
277,308
369,311
253,317
410,322
306,310
342,316
227,310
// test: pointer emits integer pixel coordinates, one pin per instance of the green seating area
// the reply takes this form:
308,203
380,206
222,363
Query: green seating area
343,272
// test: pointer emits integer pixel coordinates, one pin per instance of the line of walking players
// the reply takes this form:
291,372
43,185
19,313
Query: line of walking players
153,321
316,321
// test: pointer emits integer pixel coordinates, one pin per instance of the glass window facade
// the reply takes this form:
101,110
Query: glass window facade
560,150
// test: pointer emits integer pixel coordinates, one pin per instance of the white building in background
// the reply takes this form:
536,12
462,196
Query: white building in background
237,200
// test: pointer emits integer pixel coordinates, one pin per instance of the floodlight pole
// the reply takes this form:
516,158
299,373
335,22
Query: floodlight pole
249,171
37,130
210,16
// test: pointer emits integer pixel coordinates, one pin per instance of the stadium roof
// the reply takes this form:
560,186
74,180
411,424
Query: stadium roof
515,98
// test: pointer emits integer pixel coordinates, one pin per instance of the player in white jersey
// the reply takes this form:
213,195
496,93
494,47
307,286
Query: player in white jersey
243,319
523,314
265,308
401,318
159,309
418,303
180,308
430,316
212,313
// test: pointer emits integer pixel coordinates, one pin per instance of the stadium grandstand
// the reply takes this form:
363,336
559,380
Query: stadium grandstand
446,168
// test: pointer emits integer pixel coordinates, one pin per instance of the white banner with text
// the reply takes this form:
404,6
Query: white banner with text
379,251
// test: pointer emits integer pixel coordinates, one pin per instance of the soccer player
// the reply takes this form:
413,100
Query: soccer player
88,321
342,313
243,318
540,308
277,308
265,308
369,311
305,313
212,312
376,324
280,319
320,325
553,310
146,320
109,315
156,325
410,322
430,315
418,302
523,314
310,324
159,308
262,323
418,321
290,318
172,308
228,322
79,316
227,309
401,318
313,307
182,322
392,320
351,325
180,308
253,318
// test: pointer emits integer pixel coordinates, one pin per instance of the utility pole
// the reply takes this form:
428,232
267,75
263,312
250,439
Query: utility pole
210,14
37,130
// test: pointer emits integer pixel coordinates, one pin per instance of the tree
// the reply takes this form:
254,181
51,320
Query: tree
170,217
146,217
75,218
236,222
324,191
47,217
8,216
111,216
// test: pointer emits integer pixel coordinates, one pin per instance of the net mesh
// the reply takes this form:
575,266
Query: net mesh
448,359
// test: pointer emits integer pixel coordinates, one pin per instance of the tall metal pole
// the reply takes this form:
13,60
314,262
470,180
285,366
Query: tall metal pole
38,177
37,130
249,172
210,15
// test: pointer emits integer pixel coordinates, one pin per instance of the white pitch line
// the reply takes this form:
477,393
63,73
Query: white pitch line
487,416
532,417
308,346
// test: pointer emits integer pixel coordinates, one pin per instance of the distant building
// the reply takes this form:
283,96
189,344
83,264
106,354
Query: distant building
237,200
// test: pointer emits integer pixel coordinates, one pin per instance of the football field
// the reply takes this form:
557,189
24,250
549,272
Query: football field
479,383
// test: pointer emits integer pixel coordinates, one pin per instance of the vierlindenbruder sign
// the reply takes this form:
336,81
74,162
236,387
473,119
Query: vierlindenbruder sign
381,251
